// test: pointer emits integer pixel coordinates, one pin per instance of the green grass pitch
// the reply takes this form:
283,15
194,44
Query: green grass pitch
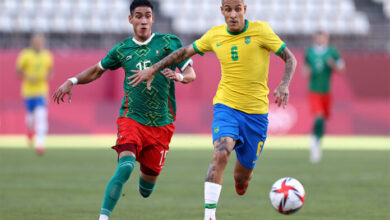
69,184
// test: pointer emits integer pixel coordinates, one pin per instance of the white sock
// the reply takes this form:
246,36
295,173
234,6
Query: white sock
41,126
315,141
103,217
211,196
211,192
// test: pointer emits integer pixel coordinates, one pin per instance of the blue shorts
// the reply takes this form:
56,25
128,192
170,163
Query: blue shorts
33,102
249,130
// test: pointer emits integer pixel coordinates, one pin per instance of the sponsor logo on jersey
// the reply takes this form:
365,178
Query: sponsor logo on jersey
218,45
129,57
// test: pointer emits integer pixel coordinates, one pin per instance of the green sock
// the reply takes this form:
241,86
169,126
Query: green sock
319,127
146,188
114,187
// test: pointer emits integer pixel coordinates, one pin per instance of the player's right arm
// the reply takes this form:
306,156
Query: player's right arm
174,58
112,62
306,69
89,75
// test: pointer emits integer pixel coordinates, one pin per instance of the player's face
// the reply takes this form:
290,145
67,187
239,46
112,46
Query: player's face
321,39
38,42
234,12
142,19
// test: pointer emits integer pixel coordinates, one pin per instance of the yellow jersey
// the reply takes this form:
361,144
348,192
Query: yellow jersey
35,65
244,59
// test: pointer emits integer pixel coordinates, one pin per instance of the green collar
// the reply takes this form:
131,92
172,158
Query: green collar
242,31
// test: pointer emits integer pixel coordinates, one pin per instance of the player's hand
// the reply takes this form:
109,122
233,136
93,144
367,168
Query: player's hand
281,95
64,89
142,75
170,74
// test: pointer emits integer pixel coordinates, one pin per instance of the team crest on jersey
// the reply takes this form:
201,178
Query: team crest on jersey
157,52
247,40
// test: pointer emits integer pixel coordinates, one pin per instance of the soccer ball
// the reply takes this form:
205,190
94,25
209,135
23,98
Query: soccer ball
287,195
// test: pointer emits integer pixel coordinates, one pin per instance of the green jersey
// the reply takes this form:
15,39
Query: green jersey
156,107
318,60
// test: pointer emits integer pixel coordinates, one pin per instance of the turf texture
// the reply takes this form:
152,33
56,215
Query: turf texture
69,184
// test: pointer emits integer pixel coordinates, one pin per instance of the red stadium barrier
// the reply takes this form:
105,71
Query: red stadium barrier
361,99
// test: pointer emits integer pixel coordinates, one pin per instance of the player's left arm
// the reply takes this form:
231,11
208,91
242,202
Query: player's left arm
282,91
336,62
187,76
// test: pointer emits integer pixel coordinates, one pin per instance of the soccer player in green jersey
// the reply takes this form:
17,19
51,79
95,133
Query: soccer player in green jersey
145,125
321,60
241,103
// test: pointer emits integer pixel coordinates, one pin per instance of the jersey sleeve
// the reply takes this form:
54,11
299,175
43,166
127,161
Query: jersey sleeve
111,61
203,45
307,61
50,60
21,61
174,45
270,40
335,54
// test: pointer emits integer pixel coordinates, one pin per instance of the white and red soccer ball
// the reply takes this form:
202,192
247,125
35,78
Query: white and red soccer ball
287,195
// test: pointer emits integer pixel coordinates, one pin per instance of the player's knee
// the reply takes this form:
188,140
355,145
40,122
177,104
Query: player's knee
221,157
123,174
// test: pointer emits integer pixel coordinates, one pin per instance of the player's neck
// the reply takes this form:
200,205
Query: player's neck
36,50
143,39
240,30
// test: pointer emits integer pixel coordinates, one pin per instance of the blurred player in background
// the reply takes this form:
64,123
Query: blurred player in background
34,68
145,125
321,60
241,103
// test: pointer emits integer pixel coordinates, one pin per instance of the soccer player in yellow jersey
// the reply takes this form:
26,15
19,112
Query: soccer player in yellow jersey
241,104
34,68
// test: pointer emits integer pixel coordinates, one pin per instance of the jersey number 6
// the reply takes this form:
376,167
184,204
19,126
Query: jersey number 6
234,53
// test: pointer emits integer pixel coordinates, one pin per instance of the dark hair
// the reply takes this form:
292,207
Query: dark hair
139,3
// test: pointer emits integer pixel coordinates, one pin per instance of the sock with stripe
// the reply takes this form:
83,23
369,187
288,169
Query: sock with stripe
211,196
114,187
145,188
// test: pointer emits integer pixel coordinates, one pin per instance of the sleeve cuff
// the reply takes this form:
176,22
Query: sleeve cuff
196,49
189,62
101,66
281,49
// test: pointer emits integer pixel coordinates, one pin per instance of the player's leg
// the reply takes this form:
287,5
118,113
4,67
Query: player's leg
128,145
41,125
125,167
253,131
213,185
225,136
29,103
152,157
147,181
318,110
319,128
242,176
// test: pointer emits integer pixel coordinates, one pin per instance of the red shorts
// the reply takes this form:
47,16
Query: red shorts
150,143
320,104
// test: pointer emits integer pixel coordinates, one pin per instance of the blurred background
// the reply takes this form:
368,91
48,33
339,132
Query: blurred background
80,33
